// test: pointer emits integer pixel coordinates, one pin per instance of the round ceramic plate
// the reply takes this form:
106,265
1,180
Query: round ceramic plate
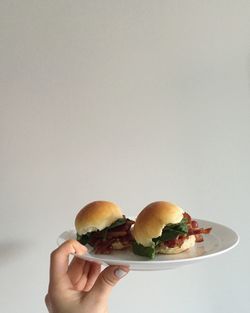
220,240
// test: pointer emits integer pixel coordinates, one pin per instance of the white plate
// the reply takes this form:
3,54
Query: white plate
220,240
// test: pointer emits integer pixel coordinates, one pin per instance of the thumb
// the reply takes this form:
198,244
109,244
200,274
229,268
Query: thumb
108,279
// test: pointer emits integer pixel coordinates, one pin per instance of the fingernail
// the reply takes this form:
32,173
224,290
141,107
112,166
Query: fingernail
119,273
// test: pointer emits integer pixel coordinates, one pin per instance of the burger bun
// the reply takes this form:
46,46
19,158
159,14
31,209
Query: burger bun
97,215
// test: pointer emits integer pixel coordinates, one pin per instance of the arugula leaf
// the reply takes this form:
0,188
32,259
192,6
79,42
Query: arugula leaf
83,239
118,222
143,251
171,231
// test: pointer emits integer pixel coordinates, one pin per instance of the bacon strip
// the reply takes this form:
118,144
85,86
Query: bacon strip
175,242
115,234
198,231
199,238
102,242
193,229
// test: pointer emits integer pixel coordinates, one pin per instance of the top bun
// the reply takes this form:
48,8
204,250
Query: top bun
96,215
153,218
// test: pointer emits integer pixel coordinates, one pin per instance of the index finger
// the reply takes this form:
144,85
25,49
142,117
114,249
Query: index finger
60,258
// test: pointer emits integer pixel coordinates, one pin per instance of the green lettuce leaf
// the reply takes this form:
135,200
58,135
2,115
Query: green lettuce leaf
84,239
171,231
143,251
118,222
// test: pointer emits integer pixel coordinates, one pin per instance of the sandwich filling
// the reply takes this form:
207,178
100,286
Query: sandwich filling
117,236
173,235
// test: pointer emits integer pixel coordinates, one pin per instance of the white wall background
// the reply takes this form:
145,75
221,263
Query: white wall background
129,101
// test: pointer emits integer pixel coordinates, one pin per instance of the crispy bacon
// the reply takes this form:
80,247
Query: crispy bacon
115,234
188,217
194,224
103,241
199,238
124,227
198,231
104,247
193,229
175,242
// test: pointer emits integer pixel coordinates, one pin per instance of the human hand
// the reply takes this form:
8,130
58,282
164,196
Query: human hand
80,287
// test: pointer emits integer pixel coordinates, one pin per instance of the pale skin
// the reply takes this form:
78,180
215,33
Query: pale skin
81,286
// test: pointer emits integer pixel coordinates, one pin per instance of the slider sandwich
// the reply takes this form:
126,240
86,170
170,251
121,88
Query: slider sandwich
102,225
163,227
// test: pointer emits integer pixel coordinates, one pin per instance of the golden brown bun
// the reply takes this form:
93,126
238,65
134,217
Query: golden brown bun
153,218
188,243
96,215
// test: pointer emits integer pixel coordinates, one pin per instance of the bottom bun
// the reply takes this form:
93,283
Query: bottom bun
118,245
188,243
